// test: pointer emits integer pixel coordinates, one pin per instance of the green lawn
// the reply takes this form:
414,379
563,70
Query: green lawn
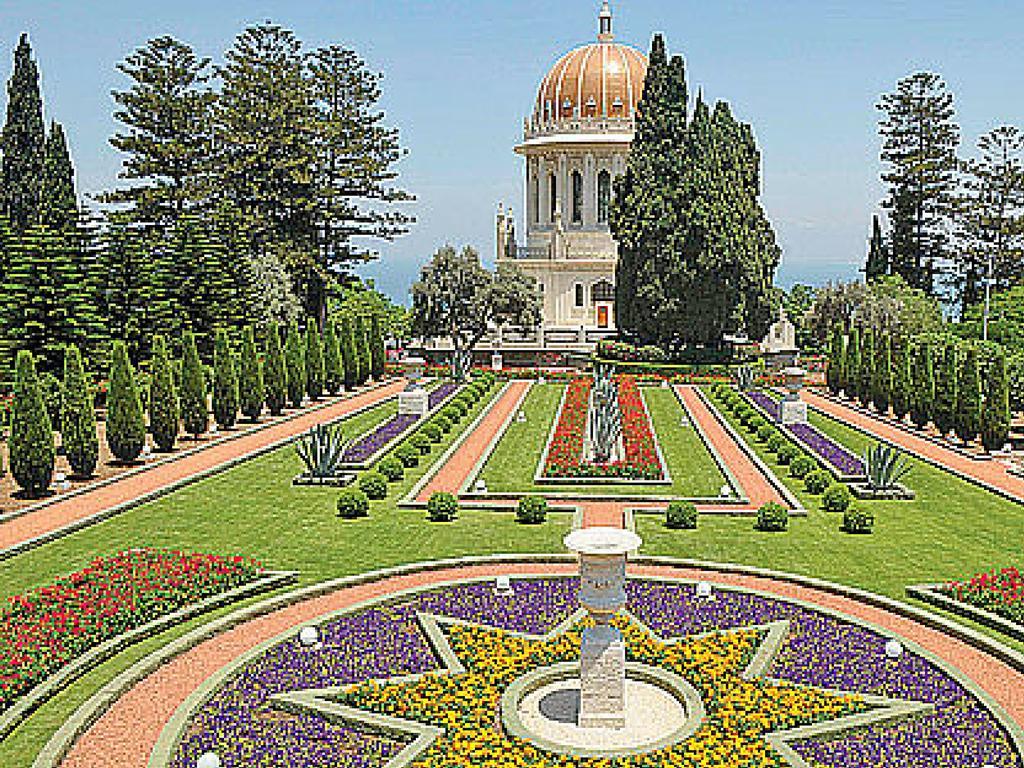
511,467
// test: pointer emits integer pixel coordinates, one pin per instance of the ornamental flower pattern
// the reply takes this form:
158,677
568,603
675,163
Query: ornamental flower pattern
244,726
999,591
565,451
372,442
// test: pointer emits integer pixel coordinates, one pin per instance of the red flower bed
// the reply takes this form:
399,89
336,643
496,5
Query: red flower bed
565,454
998,591
45,629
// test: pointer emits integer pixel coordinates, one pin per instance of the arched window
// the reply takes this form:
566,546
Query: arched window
577,197
553,193
535,200
579,295
604,196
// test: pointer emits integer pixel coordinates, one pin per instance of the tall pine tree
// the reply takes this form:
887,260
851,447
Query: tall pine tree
22,142
878,255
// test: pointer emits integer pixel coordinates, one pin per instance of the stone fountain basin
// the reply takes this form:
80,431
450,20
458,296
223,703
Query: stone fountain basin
541,706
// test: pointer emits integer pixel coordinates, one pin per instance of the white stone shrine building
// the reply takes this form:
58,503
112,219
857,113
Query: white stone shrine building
575,143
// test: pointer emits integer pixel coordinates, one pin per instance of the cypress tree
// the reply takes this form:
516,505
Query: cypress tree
334,374
968,411
194,411
22,142
314,361
225,382
348,353
947,387
276,372
377,353
853,366
878,257
867,363
833,374
923,386
995,415
881,394
250,379
31,446
362,345
902,378
164,408
126,422
295,365
58,206
78,418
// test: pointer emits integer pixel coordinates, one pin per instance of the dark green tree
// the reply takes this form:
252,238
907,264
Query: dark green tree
878,256
834,372
314,361
902,378
947,386
924,384
128,285
995,413
58,205
881,383
78,417
195,413
31,448
164,408
276,372
348,353
968,411
295,365
250,377
362,349
334,372
225,382
853,364
867,364
377,353
126,421
22,142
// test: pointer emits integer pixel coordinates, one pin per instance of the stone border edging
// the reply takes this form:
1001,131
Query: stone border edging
730,477
138,501
795,506
930,593
25,705
975,481
91,710
173,457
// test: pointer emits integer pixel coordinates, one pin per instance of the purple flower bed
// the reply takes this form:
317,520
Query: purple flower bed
825,447
365,447
766,403
384,640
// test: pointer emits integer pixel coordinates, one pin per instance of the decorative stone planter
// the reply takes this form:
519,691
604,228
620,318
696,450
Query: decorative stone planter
338,481
899,492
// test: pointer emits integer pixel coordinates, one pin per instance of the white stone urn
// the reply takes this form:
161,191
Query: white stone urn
794,410
602,554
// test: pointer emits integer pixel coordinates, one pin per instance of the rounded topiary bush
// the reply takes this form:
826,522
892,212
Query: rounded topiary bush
392,468
353,503
681,515
772,517
801,466
775,442
433,433
408,455
420,442
442,507
443,423
455,412
787,453
374,485
765,433
858,520
837,498
532,510
817,481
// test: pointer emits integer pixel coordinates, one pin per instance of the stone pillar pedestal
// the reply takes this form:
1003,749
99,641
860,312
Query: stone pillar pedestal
602,678
414,402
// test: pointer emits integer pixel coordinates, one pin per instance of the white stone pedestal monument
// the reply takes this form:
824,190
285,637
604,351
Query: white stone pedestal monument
496,361
413,400
602,553
794,410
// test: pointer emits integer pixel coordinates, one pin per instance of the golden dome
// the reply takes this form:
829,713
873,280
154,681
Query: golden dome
599,80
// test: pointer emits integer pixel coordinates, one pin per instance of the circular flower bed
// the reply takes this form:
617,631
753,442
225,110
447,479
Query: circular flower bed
713,643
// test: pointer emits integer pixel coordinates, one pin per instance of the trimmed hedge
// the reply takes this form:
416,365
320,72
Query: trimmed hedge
392,468
772,517
31,444
817,481
353,503
442,507
532,510
374,484
681,515
837,498
126,421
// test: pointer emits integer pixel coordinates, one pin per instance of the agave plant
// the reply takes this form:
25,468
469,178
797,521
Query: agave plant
321,450
746,378
605,415
885,466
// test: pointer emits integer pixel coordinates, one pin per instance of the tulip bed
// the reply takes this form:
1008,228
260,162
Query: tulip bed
43,630
998,591
565,452
383,640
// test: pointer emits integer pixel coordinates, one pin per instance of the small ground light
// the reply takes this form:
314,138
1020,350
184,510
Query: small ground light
521,418
59,477
147,449
481,486
894,649
309,637
704,589
664,383
213,430
725,490
209,760
502,585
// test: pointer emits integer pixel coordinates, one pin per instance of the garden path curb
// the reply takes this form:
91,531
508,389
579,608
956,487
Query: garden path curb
931,594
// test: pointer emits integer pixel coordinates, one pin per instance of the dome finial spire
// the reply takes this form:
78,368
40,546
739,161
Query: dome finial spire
604,33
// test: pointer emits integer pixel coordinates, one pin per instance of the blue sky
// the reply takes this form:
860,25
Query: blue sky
460,76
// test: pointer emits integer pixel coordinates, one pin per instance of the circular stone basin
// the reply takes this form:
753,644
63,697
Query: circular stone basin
543,707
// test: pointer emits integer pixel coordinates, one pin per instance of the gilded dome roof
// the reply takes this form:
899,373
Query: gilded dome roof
602,79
